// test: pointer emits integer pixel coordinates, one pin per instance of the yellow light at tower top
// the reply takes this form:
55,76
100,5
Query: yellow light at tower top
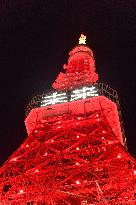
82,39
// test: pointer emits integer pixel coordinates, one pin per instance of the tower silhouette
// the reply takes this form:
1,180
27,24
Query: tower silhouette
75,152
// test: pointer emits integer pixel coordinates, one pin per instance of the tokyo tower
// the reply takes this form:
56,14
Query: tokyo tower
75,152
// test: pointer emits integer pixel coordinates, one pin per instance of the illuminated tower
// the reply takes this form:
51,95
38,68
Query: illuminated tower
75,150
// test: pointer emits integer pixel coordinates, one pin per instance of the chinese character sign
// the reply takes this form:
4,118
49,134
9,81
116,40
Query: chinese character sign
82,93
54,98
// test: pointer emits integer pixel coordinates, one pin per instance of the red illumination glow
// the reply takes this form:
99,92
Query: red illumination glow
84,162
79,161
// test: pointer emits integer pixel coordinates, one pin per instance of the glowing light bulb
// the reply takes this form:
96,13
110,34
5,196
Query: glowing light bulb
97,115
103,131
119,156
77,148
98,119
77,123
35,131
113,129
21,191
52,140
45,154
36,170
77,163
77,182
77,136
27,145
58,127
135,172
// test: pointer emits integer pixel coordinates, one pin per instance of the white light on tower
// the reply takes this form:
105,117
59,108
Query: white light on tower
84,93
82,39
54,98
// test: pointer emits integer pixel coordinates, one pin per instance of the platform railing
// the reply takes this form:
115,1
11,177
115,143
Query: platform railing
103,90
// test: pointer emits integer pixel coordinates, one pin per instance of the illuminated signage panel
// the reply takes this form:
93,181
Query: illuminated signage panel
62,97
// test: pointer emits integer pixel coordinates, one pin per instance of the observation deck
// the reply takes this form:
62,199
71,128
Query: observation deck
79,102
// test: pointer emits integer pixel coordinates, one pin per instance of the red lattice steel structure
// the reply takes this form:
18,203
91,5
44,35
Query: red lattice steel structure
74,155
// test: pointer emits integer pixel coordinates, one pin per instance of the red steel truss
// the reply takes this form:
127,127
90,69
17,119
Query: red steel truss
70,159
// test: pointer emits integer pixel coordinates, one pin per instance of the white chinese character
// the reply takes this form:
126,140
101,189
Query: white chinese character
54,98
84,93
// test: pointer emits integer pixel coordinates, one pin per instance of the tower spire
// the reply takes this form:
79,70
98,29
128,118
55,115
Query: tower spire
82,39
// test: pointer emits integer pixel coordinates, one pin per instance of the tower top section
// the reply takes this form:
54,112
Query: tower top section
79,70
82,39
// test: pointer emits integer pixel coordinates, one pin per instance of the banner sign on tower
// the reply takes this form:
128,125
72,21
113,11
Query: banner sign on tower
62,97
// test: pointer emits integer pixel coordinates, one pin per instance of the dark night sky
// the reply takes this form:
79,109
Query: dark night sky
35,38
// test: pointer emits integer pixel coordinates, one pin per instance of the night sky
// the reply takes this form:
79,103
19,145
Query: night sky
35,38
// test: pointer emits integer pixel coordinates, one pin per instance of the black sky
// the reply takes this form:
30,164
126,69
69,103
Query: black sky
35,38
